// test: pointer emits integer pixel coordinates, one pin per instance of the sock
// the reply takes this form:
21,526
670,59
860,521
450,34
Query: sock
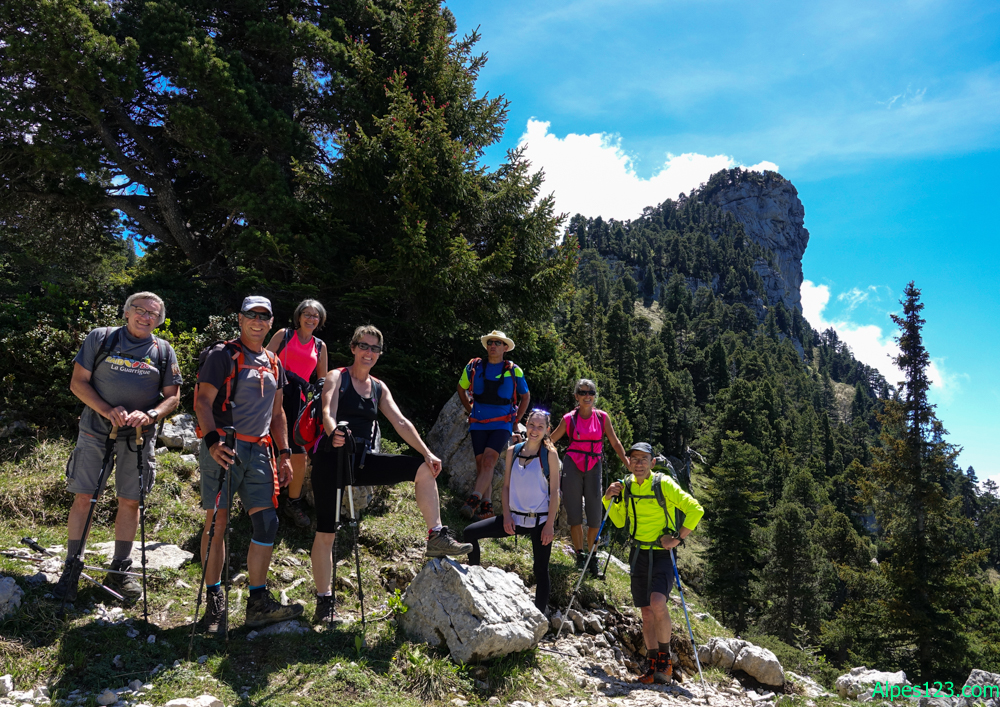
214,588
72,548
295,500
435,529
324,594
257,591
123,549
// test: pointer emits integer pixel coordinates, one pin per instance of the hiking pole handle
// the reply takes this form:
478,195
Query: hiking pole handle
230,438
36,547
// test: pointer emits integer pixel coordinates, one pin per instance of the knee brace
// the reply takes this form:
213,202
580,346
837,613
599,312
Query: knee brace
265,527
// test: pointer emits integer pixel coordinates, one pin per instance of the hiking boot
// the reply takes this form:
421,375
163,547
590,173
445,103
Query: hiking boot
485,510
647,677
326,613
595,567
581,560
442,543
295,510
69,581
663,670
264,610
216,616
125,584
469,509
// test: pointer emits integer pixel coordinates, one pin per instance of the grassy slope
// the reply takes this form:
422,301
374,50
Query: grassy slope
321,668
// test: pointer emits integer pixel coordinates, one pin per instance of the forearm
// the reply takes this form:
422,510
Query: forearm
203,411
89,397
522,407
279,428
463,397
168,405
410,435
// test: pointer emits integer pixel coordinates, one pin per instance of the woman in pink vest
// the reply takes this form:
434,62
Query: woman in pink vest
586,427
304,358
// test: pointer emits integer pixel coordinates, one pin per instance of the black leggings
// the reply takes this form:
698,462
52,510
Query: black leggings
493,528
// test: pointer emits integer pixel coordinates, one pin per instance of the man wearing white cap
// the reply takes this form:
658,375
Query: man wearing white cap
240,385
496,396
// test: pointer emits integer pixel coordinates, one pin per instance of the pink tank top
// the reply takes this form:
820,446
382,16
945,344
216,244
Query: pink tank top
586,435
299,358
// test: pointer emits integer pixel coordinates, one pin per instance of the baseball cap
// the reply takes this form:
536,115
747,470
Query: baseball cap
640,447
256,301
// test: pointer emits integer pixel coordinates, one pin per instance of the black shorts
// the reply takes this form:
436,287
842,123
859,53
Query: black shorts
292,404
489,439
379,470
663,575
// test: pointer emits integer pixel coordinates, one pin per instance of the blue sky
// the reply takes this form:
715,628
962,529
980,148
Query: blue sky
885,116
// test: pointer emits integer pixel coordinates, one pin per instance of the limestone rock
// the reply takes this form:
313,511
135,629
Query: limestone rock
761,664
199,701
980,688
772,216
861,680
478,612
10,596
449,439
178,434
158,555
284,627
810,688
6,685
107,697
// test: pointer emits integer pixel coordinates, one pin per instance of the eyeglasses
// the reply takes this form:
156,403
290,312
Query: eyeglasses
310,316
495,342
250,314
586,392
144,312
374,348
645,460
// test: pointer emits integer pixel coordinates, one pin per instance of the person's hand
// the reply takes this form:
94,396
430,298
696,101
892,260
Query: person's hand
668,542
284,471
434,463
613,490
508,524
516,438
119,417
222,454
338,438
547,533
138,418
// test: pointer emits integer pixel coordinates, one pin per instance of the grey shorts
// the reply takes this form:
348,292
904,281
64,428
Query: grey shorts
578,488
84,466
254,480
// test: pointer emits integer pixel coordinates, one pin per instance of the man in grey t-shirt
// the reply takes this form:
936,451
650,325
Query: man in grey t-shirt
126,378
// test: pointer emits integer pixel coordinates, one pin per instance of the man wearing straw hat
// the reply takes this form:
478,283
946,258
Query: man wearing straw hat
495,394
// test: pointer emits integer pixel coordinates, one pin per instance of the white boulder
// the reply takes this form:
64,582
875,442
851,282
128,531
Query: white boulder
736,654
199,701
478,612
981,687
861,681
178,434
158,555
10,596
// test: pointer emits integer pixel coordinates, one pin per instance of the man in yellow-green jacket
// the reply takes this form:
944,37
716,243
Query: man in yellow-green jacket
650,514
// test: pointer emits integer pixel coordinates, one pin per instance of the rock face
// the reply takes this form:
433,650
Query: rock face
981,688
449,439
478,612
736,654
178,434
772,216
861,680
10,596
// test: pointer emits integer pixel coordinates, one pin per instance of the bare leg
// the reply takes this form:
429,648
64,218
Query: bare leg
576,534
322,561
78,515
484,472
298,475
656,622
213,575
127,519
427,496
591,537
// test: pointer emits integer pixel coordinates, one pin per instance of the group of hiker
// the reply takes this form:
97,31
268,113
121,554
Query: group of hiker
248,399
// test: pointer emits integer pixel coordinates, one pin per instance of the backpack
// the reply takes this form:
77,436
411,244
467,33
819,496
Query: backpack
629,497
289,333
309,426
235,351
543,458
572,427
111,340
478,364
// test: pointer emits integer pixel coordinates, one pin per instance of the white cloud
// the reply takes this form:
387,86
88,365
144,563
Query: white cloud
594,176
869,343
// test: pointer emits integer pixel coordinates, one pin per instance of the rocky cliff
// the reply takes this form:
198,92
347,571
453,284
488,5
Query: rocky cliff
768,206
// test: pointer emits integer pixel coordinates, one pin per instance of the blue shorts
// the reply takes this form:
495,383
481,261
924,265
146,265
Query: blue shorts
489,439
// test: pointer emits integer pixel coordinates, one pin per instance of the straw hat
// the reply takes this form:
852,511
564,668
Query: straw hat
497,335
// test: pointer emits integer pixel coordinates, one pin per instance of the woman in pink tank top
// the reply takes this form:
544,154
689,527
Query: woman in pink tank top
304,358
586,427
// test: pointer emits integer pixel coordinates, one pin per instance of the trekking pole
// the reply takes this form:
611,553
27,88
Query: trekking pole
223,481
231,443
75,564
38,548
584,571
142,517
694,646
355,521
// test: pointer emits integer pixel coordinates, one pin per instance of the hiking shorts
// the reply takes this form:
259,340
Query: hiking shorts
489,439
84,465
663,575
379,470
582,487
254,480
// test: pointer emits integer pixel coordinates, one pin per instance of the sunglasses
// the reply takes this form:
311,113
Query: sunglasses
144,312
586,392
374,348
495,342
263,316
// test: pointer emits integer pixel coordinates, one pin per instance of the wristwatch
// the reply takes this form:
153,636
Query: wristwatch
153,414
286,450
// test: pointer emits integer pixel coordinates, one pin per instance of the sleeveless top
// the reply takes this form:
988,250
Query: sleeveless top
586,435
299,358
529,490
361,414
